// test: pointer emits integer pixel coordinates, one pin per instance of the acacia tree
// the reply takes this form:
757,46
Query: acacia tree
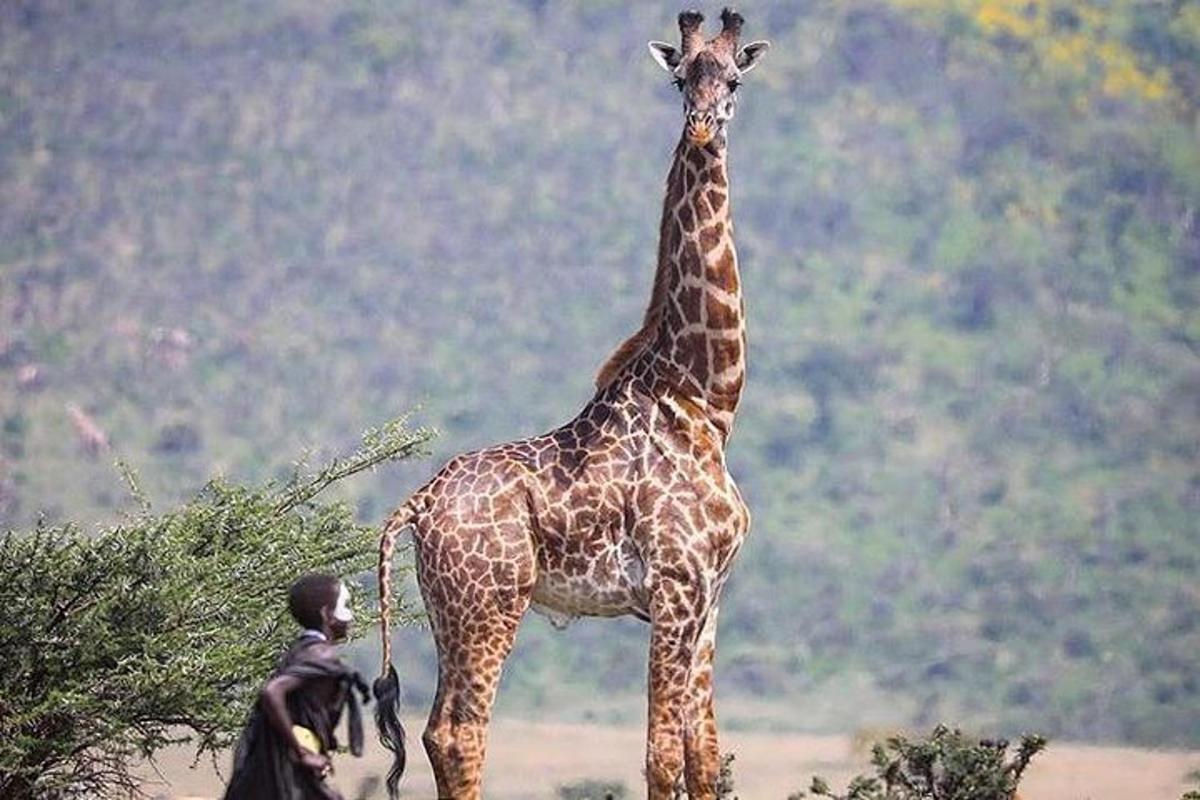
159,630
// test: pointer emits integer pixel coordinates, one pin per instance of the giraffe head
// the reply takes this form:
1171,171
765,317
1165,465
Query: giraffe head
708,73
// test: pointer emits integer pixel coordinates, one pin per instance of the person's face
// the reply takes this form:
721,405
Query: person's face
339,616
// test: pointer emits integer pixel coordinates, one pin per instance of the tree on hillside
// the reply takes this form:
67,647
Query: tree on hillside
159,630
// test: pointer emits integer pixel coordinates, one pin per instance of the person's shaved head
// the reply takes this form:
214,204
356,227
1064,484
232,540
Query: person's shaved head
311,593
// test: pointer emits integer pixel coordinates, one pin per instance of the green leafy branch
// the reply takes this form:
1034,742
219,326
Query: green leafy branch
160,629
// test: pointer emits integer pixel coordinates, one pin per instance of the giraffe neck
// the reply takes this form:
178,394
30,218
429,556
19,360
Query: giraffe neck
699,344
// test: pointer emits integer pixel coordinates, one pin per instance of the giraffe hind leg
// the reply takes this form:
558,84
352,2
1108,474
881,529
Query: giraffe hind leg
471,653
475,606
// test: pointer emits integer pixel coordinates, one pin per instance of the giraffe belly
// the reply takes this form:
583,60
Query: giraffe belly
604,580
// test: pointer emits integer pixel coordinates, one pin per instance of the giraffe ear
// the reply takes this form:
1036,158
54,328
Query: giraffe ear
749,56
666,55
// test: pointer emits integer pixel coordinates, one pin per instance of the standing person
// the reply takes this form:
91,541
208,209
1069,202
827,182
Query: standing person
284,751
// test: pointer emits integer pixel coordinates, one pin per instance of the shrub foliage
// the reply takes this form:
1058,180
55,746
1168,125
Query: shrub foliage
946,766
159,629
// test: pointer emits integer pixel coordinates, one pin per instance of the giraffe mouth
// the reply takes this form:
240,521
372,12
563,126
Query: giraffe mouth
702,134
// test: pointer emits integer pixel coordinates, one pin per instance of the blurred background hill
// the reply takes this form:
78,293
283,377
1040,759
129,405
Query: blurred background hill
971,436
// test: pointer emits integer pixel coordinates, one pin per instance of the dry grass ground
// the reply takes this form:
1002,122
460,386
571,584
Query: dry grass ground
528,760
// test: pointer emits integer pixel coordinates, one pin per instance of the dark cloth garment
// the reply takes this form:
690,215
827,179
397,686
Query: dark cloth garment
262,766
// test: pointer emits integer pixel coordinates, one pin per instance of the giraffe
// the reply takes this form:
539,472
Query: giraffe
628,509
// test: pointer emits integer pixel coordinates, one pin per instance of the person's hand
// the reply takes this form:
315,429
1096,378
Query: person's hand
316,763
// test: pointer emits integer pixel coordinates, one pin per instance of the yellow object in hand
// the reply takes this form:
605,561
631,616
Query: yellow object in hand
307,739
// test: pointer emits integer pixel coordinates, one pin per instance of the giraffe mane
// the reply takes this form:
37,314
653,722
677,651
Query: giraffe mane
632,347
636,344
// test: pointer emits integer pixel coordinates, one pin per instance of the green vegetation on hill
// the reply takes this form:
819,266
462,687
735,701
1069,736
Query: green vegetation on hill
968,228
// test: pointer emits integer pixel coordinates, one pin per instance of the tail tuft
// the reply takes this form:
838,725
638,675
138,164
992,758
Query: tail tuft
387,722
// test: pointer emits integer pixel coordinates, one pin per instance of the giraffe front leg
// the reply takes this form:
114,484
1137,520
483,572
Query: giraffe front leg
670,657
678,614
702,755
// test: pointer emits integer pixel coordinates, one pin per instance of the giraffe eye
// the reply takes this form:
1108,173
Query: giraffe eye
678,83
734,84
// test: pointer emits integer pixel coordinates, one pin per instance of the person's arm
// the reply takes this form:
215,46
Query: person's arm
274,701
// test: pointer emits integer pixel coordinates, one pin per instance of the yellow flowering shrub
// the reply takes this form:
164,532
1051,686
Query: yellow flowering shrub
1083,42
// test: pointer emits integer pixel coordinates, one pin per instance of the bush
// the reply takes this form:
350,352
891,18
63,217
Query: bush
160,629
946,766
1192,794
592,789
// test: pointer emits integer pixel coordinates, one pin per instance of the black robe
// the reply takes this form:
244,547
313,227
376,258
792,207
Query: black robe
262,766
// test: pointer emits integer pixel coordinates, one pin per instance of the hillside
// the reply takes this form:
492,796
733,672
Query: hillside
971,436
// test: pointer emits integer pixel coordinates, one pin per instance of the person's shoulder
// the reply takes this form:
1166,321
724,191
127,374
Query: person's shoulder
324,650
321,654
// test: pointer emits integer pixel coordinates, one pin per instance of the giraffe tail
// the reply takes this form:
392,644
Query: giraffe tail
387,685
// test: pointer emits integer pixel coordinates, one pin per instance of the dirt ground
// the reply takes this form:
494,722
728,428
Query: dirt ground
530,760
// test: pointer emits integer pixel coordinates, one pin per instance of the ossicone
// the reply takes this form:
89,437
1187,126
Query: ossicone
731,21
691,37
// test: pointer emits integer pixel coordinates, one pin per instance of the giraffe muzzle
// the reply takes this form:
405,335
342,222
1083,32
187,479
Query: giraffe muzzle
701,127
